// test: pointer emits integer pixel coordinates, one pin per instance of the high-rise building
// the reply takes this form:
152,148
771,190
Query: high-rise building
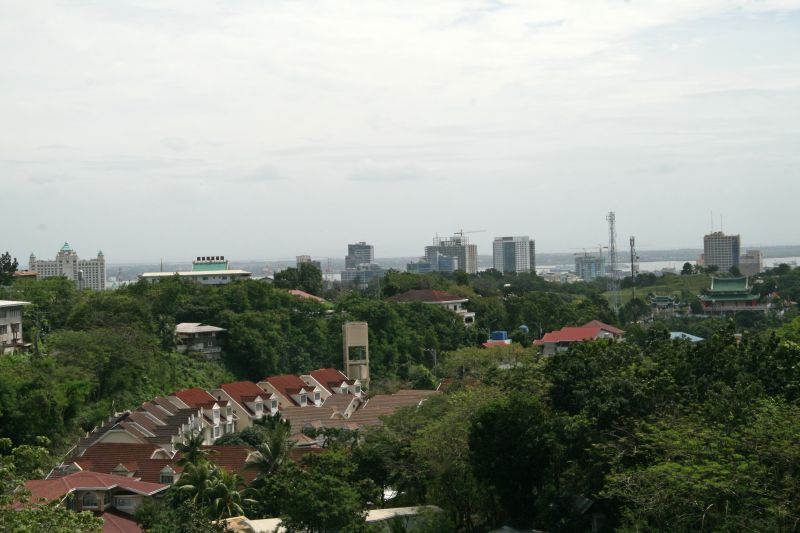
86,273
589,267
359,253
307,259
514,254
456,246
435,262
721,251
751,263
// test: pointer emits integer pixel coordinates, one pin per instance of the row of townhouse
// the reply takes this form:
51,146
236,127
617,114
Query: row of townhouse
231,407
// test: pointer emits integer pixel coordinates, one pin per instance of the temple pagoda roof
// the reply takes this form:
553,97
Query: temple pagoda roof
739,284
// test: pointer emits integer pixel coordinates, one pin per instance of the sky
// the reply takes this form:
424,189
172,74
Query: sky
267,129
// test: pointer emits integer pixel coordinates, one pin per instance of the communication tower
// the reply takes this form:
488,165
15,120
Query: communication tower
613,266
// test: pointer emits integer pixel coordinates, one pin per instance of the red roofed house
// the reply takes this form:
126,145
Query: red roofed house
449,301
605,327
250,402
217,415
332,381
561,340
93,491
147,462
292,391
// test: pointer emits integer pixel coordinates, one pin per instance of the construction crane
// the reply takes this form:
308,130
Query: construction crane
461,232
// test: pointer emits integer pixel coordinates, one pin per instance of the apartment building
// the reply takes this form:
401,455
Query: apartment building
11,325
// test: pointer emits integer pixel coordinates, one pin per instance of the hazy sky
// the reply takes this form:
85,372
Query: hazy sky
265,129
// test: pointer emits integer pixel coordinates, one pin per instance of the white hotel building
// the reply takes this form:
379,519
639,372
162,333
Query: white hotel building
86,273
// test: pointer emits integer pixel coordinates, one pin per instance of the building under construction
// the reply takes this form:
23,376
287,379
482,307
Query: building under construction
456,246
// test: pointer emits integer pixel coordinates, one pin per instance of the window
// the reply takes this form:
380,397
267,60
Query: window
215,413
167,476
89,499
3,329
303,398
2,313
316,397
215,433
228,411
124,502
358,389
274,405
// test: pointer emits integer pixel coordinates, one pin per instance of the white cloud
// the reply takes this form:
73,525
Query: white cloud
531,104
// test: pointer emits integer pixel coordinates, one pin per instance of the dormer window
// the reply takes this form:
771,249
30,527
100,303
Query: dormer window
274,405
303,398
167,476
215,413
120,470
259,407
357,388
316,397
228,411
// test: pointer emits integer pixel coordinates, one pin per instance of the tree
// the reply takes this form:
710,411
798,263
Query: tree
213,489
318,496
20,515
525,474
273,450
191,449
687,269
7,268
306,277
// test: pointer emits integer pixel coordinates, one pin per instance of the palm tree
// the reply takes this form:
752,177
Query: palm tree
211,488
191,449
224,497
272,452
194,481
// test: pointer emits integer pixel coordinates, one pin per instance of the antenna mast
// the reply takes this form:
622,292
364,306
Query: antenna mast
612,267
634,269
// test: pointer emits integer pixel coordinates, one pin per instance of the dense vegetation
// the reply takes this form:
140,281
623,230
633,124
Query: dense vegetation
650,434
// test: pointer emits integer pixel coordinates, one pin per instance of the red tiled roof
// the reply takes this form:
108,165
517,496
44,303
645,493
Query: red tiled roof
53,489
426,296
572,334
604,326
328,376
492,344
244,389
195,397
307,296
104,457
286,383
117,522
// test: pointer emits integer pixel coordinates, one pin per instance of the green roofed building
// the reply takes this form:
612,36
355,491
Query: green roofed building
729,295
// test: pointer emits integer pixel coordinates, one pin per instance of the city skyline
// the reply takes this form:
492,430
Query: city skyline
150,131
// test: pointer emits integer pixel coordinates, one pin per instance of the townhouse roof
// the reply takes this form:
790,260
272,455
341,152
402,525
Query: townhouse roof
288,384
604,327
146,461
427,296
117,522
244,391
197,397
196,327
54,489
330,377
